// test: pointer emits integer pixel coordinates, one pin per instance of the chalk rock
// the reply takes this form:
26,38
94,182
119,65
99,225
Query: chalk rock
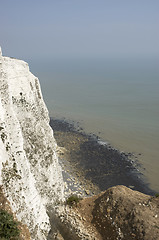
29,170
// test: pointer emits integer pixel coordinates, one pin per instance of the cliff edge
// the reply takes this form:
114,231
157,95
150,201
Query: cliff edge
30,175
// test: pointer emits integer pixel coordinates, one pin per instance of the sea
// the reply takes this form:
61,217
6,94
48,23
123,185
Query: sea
114,98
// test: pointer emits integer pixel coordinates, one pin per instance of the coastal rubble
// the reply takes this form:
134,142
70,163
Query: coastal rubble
118,213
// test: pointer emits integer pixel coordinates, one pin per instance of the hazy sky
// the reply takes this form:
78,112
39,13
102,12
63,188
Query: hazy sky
79,28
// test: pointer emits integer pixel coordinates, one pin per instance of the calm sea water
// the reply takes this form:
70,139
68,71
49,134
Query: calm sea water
118,99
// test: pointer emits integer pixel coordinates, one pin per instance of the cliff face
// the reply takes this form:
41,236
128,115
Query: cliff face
29,171
31,178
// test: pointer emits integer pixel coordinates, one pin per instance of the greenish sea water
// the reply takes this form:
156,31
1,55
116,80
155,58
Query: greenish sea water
118,99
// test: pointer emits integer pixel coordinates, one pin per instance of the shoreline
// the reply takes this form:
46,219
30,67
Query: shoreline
90,165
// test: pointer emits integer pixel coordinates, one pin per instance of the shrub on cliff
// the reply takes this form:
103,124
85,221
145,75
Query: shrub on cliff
8,226
73,199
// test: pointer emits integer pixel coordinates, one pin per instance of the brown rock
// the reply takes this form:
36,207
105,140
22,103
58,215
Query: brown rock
122,213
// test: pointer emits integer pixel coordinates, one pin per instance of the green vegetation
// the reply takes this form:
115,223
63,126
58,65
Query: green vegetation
8,226
73,199
156,226
157,195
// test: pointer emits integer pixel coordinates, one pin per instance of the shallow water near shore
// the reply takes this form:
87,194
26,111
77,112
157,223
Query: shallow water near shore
99,164
115,99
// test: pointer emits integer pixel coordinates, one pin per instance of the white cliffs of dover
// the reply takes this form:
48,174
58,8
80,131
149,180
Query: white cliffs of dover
29,170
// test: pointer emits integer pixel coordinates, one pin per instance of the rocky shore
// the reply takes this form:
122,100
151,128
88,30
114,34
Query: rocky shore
90,165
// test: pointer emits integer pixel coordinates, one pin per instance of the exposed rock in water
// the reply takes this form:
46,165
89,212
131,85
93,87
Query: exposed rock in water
98,161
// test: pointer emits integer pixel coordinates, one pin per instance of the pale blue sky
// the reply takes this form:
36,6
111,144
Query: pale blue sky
79,28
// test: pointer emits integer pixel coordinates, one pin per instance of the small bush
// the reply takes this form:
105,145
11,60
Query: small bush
73,199
8,226
157,195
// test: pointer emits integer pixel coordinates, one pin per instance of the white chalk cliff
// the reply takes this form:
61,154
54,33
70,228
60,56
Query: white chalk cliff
29,170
